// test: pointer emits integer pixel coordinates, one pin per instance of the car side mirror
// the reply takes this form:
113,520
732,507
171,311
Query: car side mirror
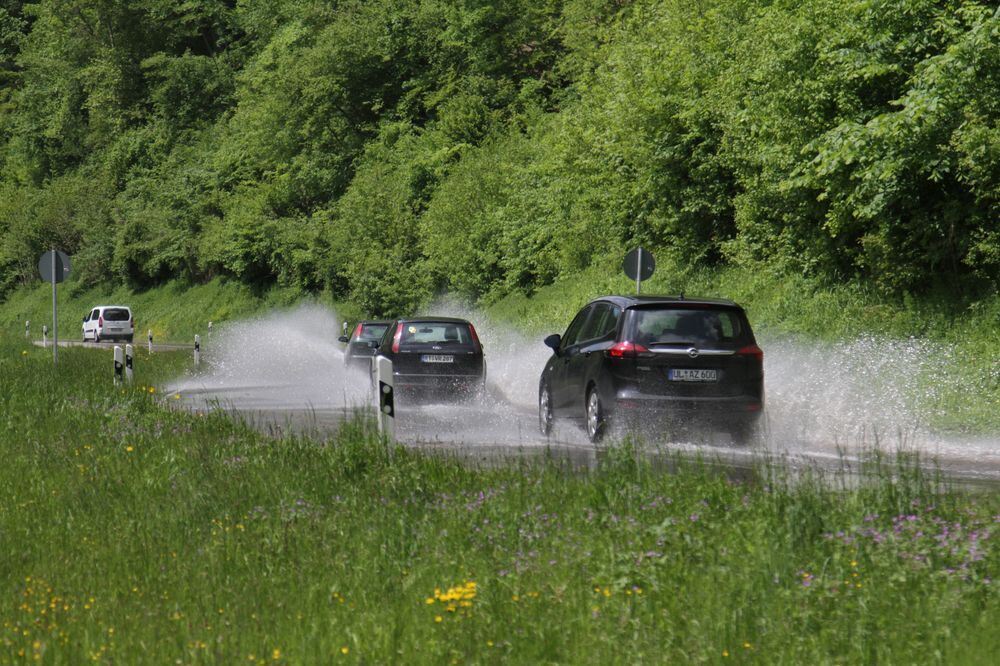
84,320
553,341
344,339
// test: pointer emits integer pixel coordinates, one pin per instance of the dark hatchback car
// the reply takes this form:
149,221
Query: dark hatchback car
438,356
630,361
362,343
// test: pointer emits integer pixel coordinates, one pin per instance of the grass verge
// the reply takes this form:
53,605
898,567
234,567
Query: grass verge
134,533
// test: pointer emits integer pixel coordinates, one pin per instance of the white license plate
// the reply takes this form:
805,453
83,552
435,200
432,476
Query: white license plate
437,358
692,375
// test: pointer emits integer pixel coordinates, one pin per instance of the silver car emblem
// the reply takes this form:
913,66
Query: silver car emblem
693,353
436,348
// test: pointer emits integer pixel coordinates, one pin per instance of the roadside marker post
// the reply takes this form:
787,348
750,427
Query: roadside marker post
119,364
128,363
386,400
197,350
210,329
45,336
149,337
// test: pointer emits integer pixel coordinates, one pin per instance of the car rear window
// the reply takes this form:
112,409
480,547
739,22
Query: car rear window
438,333
116,314
372,332
675,326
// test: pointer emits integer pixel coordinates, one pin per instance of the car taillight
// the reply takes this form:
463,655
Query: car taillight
100,320
357,332
475,337
626,350
395,338
752,350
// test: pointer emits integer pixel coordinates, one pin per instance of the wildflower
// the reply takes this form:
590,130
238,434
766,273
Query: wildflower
276,655
345,650
438,618
24,353
429,600
746,645
152,389
854,563
130,449
489,643
725,653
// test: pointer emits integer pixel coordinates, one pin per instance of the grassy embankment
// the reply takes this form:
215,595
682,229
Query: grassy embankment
135,533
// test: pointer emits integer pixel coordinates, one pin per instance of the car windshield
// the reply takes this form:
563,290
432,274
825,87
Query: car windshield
673,326
372,332
438,333
116,314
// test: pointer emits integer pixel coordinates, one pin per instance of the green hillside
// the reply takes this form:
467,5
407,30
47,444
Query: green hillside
387,151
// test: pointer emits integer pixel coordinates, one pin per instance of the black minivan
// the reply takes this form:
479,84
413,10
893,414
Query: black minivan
631,360
434,356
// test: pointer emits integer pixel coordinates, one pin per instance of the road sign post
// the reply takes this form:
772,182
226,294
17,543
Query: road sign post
45,336
54,267
639,265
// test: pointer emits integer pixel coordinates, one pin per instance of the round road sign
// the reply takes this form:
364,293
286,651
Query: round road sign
62,266
639,264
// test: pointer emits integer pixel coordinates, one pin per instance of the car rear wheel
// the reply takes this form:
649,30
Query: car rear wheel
545,416
596,418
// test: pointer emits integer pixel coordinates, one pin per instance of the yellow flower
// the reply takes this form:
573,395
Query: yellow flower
489,643
152,389
438,618
725,653
276,654
129,449
854,563
515,598
24,353
746,645
429,600
345,650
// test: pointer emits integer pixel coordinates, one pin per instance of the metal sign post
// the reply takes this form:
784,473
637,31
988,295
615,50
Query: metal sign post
54,267
639,265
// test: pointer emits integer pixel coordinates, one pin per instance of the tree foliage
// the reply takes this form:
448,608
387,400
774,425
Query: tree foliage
393,149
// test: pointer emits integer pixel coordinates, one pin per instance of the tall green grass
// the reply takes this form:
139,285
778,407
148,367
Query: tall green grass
131,532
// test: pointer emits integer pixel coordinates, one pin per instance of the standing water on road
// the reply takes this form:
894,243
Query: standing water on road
823,400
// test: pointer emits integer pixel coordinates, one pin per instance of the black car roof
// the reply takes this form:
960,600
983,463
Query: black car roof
630,301
440,320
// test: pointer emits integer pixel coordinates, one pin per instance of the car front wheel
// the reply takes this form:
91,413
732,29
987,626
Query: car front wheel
545,416
596,417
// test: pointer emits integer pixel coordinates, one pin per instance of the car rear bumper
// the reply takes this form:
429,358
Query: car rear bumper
438,383
717,408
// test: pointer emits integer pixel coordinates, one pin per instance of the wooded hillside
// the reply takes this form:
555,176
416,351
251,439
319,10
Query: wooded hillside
394,149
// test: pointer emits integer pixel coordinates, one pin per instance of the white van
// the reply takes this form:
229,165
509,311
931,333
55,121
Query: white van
109,322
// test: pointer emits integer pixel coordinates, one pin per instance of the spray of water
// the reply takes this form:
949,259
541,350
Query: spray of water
822,399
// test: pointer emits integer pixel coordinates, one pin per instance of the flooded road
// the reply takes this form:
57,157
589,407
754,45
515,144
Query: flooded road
828,406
